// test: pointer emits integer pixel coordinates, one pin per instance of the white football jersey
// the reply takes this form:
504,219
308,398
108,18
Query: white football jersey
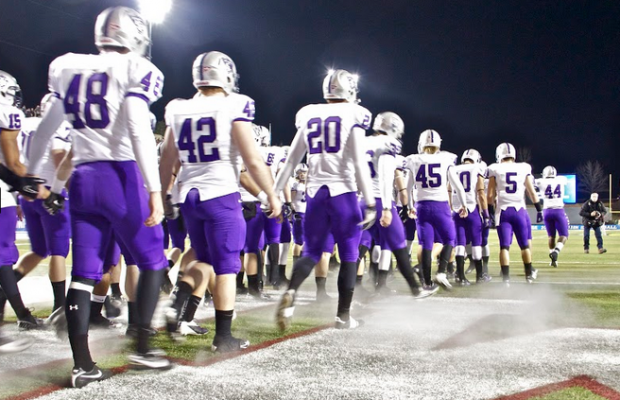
298,196
430,174
468,175
11,118
377,146
401,165
510,183
552,191
60,141
326,129
93,89
273,156
202,128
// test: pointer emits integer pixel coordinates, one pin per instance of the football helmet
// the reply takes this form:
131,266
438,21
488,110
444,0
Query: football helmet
215,69
429,138
122,27
10,92
300,168
340,84
505,150
549,172
262,136
471,154
390,123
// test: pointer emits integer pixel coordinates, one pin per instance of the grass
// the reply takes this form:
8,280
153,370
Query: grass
587,282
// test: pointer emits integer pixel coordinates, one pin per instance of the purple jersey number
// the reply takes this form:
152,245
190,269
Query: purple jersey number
512,184
324,134
550,194
186,141
465,178
14,122
428,176
373,173
96,90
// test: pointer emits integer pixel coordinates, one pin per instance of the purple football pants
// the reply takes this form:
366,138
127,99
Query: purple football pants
513,221
49,234
556,221
435,224
8,226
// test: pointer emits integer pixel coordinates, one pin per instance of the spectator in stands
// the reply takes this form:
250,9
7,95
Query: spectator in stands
593,215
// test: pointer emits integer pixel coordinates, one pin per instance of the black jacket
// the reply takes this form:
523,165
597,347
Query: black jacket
586,211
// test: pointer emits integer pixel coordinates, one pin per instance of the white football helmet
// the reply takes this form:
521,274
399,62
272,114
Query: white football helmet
549,172
340,84
215,69
390,123
471,154
505,150
10,92
300,168
265,136
429,138
122,27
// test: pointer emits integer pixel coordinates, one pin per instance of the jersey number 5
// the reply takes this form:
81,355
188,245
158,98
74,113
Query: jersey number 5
186,140
95,114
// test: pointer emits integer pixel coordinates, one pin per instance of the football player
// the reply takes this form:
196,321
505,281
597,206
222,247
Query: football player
49,234
552,188
471,175
390,232
332,134
508,183
298,197
11,173
106,98
432,170
211,135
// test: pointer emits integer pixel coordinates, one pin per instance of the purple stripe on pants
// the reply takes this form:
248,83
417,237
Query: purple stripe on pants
8,226
468,230
556,221
217,230
119,206
435,224
513,221
339,215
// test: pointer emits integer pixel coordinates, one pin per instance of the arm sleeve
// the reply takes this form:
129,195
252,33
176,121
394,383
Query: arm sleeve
362,171
296,153
48,126
142,141
456,184
387,166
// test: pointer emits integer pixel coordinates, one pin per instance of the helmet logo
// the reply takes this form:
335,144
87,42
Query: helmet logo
139,23
227,62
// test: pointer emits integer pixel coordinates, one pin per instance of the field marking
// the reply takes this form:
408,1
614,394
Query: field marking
583,381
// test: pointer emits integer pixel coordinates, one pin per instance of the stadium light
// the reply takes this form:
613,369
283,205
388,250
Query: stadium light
155,10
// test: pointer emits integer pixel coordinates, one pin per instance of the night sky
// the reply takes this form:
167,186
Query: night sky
540,74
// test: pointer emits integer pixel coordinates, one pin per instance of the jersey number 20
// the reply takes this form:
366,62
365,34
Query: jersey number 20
324,133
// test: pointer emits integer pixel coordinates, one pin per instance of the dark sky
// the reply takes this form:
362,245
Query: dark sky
540,74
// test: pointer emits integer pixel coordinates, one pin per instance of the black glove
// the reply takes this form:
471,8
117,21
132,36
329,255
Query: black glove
27,186
54,203
287,210
296,216
404,214
539,217
249,210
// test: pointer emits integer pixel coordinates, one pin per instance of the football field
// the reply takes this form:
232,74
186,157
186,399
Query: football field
555,339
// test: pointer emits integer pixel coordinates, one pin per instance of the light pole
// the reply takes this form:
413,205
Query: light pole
154,11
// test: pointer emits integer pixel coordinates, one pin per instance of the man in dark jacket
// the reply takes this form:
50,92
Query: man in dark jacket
593,215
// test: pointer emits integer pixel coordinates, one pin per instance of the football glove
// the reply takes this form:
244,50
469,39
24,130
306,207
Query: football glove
54,203
539,217
296,216
171,211
404,214
370,215
27,186
486,219
287,210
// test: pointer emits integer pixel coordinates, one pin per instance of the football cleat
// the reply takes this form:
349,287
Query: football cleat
601,251
420,293
30,323
554,259
442,280
11,345
192,329
484,279
228,344
113,306
172,319
81,378
286,309
463,282
534,273
100,322
586,251
351,323
152,359
529,279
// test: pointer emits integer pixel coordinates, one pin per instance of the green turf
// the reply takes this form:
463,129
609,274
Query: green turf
574,393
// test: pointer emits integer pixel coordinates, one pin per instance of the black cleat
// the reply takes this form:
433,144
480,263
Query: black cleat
554,259
100,322
228,344
30,323
81,378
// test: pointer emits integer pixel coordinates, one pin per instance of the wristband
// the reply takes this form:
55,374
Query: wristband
57,185
262,197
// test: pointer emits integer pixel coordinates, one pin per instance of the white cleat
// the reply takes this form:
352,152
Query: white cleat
285,310
350,324
153,359
192,329
442,280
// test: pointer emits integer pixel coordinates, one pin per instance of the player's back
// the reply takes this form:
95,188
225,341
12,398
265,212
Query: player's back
202,129
298,196
326,130
377,146
93,89
510,183
430,174
468,174
552,190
